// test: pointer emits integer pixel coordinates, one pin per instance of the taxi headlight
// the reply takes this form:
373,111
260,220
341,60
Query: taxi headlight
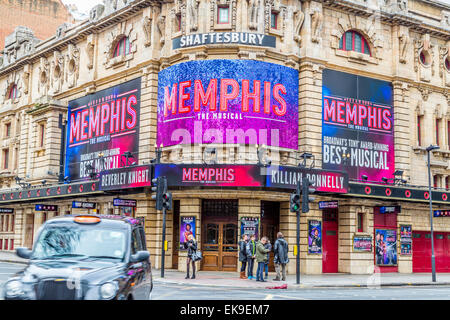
108,290
14,288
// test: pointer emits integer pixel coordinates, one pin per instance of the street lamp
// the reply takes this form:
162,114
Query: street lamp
433,266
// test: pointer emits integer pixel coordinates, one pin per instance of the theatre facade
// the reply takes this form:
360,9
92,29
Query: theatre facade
234,102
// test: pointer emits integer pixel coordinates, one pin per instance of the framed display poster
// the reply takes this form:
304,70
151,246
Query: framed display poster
385,247
187,227
314,237
362,243
250,225
406,240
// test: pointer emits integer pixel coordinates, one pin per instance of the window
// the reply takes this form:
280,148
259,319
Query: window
273,20
12,224
41,135
446,182
354,41
12,94
437,131
5,158
122,47
360,222
223,14
424,58
178,17
419,130
447,63
7,130
435,181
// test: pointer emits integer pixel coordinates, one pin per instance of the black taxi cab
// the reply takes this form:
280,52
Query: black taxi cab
85,257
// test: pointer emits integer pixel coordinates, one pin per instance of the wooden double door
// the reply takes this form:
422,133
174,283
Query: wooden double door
220,235
220,245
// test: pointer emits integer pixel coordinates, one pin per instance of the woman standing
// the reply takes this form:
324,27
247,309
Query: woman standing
243,254
191,246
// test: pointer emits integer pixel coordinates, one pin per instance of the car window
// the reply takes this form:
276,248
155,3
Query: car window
135,242
142,233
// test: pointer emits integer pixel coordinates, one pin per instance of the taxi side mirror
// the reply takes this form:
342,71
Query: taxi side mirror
24,253
139,256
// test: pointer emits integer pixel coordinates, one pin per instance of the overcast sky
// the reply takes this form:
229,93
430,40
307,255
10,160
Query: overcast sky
83,5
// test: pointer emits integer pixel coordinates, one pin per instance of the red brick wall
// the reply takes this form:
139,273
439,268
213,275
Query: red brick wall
42,16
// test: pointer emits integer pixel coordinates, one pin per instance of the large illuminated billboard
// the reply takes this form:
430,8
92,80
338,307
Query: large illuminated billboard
103,130
357,126
228,102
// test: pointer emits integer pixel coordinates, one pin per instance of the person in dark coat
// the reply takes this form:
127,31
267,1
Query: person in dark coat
251,252
191,246
268,246
280,250
243,254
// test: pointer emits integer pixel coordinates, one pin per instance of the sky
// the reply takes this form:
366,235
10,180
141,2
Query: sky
83,5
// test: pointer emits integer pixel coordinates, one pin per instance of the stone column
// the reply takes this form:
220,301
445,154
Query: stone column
19,222
146,208
404,218
402,127
350,261
249,208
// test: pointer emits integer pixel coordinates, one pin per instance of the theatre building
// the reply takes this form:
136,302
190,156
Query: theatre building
235,103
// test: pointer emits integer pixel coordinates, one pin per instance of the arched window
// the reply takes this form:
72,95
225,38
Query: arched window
12,94
122,47
354,41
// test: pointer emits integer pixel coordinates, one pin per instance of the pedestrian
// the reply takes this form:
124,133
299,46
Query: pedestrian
261,258
280,250
251,251
243,254
268,245
191,246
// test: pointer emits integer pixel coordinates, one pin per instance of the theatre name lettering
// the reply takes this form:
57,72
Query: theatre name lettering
125,177
253,39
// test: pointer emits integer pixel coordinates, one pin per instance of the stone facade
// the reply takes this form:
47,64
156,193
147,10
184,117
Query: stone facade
79,59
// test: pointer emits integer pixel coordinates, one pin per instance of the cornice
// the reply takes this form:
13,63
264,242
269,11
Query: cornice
79,32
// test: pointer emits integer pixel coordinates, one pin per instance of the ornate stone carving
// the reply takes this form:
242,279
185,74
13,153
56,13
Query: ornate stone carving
13,78
43,74
213,7
445,19
403,42
161,24
299,18
253,7
420,110
96,12
425,92
73,65
424,45
316,24
61,31
439,111
192,11
18,44
444,51
57,72
26,78
90,48
147,28
121,30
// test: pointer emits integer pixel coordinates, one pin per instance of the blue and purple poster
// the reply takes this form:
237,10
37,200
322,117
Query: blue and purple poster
187,228
385,247
314,237
228,102
101,128
357,125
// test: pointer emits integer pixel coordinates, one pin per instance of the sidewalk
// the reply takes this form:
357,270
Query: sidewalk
232,280
11,256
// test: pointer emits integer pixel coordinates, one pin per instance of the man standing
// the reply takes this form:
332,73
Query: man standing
261,258
281,258
251,252
243,254
268,246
